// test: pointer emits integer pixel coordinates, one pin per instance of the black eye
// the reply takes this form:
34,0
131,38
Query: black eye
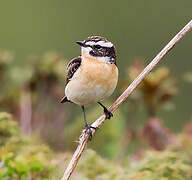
97,46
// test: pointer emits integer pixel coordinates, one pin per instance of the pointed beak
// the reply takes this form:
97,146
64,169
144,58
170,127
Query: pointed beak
80,43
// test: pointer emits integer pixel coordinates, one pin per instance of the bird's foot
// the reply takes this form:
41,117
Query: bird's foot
89,131
108,113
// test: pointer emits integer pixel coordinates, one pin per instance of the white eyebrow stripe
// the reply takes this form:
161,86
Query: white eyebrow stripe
104,44
91,43
101,43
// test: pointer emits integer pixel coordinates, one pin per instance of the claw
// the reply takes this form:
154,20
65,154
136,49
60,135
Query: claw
89,131
108,113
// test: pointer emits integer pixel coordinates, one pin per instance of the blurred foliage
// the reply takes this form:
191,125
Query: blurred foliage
130,149
24,157
93,167
8,128
172,163
156,134
168,164
48,68
46,71
6,94
39,78
157,89
21,156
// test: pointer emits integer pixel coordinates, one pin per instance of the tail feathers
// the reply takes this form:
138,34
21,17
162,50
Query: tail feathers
64,99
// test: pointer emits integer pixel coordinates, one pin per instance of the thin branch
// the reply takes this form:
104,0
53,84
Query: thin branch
83,140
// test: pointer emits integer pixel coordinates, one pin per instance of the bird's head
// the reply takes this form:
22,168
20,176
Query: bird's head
99,48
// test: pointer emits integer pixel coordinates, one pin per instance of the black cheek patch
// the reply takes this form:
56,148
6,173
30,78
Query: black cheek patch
95,53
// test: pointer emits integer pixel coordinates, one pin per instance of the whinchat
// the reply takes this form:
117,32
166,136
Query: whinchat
92,76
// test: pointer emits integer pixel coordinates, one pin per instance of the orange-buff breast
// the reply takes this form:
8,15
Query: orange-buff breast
93,81
99,73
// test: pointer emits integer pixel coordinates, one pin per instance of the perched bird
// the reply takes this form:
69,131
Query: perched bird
92,76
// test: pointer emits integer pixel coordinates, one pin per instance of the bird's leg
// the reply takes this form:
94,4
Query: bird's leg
88,128
108,113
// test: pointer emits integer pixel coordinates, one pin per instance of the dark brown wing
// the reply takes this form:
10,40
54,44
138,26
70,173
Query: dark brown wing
72,67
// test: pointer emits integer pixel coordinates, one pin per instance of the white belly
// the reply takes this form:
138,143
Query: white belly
83,95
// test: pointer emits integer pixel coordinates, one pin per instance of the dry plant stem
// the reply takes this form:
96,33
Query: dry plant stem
83,140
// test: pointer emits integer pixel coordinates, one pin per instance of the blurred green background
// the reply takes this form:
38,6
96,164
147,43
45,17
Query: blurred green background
39,37
137,28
